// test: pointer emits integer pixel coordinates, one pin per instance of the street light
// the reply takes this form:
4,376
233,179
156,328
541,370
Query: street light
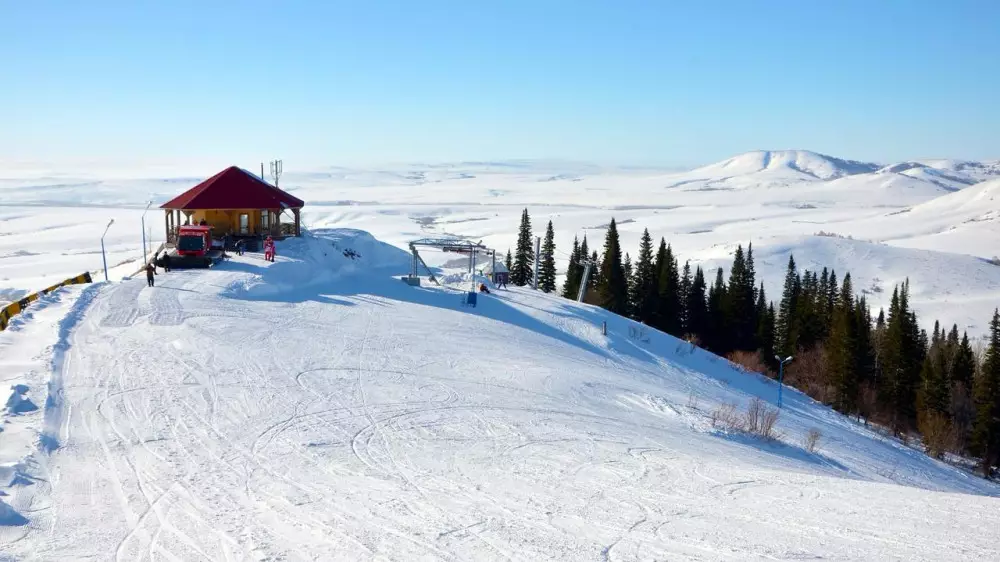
781,374
103,255
145,252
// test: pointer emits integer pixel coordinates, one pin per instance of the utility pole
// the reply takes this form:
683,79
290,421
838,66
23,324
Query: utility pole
143,220
493,266
584,280
261,171
538,246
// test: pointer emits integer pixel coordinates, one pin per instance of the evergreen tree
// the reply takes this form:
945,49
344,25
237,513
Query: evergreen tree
715,337
841,350
787,328
739,306
644,283
595,271
986,398
524,254
963,366
765,335
574,272
627,267
613,287
684,295
508,261
547,267
668,317
697,306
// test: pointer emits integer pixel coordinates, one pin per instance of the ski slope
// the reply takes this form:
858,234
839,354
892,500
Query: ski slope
317,408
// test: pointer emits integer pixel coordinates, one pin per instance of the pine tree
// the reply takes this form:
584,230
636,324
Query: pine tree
765,335
684,295
524,255
787,327
841,348
697,306
547,267
963,366
627,267
574,272
613,287
986,397
644,286
508,261
740,308
668,317
716,337
935,395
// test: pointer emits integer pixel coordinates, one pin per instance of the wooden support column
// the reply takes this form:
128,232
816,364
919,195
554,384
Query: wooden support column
166,224
298,222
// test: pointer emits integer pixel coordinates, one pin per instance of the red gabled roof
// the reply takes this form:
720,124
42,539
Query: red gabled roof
233,188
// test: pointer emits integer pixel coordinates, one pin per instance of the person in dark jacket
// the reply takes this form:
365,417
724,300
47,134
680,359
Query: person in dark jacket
166,262
150,272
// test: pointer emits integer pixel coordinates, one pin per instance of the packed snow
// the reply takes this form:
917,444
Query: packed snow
319,408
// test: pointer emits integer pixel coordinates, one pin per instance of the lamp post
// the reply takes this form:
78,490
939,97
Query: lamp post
145,251
781,374
103,255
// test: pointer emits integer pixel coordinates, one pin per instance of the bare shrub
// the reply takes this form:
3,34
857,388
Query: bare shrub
811,441
808,373
748,362
727,417
692,402
868,404
761,420
938,434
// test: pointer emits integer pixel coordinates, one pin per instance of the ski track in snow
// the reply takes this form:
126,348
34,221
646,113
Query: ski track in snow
198,426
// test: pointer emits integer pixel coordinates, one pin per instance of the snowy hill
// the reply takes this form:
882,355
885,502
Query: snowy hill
809,165
317,407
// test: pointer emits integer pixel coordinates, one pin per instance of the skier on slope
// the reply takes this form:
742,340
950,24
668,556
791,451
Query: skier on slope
150,272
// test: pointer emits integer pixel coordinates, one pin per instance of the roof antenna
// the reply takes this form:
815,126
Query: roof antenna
275,171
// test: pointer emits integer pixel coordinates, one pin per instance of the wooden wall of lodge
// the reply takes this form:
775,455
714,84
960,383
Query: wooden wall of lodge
228,220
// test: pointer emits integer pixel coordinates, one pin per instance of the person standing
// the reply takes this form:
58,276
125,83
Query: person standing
166,262
150,272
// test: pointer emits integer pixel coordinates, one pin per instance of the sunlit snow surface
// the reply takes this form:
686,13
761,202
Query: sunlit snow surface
316,408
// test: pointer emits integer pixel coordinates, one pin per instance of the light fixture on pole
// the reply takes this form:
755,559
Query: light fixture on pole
781,374
145,251
103,255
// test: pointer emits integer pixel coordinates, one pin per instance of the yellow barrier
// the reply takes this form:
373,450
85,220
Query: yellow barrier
15,308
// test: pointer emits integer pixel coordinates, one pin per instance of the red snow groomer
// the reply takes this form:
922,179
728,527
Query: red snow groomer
194,240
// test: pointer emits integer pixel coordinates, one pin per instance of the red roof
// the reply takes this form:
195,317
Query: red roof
233,188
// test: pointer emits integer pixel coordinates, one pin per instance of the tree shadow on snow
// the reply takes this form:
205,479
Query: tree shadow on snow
782,449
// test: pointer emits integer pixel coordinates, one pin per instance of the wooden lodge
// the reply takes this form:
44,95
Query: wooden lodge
237,203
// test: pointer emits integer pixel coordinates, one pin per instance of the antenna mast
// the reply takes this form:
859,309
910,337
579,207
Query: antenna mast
276,169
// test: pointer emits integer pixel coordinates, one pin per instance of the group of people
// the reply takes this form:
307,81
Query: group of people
164,260
151,267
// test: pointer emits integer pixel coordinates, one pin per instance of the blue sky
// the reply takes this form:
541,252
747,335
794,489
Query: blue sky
361,82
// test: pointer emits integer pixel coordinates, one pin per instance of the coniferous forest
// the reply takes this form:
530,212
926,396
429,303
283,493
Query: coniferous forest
878,366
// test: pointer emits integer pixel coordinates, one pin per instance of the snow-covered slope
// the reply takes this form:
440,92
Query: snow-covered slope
800,162
318,408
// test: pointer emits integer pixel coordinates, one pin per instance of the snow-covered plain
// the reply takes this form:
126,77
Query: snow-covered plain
939,211
317,408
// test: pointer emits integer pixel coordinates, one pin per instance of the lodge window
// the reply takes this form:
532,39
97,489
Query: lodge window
244,223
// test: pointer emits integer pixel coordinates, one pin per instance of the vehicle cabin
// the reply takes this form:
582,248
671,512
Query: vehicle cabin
234,203
194,240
